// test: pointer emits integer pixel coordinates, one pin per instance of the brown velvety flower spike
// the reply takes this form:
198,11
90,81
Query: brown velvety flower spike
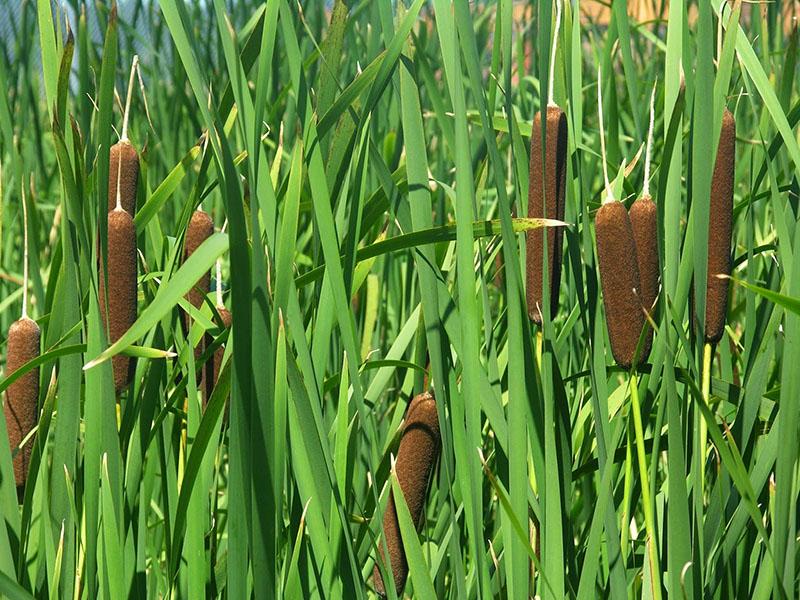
416,457
720,227
619,276
200,228
121,289
21,406
644,223
546,200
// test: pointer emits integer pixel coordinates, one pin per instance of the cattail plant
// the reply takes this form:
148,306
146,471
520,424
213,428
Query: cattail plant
200,228
123,165
118,293
416,457
619,269
643,215
720,227
22,397
619,278
546,198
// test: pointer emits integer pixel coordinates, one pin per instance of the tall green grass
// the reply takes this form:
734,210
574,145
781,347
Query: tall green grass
367,161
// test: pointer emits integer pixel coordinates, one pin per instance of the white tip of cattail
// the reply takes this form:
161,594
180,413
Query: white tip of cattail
134,64
551,79
609,197
684,570
648,152
119,177
24,255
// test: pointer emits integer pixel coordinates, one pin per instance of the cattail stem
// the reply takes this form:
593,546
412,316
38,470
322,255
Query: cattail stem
539,347
119,176
719,31
649,149
609,197
124,136
144,95
706,392
649,520
551,78
625,530
24,255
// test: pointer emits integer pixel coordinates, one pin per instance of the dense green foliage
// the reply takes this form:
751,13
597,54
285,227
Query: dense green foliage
367,161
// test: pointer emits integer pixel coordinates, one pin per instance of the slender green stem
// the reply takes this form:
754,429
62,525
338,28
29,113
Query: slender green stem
539,346
626,497
535,526
706,389
649,520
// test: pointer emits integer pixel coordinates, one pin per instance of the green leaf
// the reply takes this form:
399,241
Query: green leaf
165,190
434,235
789,303
170,292
12,590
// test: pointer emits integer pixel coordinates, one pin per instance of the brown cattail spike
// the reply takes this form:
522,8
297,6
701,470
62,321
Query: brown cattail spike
200,228
546,200
416,457
22,398
619,276
123,173
644,223
121,289
720,227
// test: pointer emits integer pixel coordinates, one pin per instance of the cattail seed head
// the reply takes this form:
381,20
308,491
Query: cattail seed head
200,228
619,276
416,457
22,397
121,289
546,200
123,163
213,367
644,222
720,227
